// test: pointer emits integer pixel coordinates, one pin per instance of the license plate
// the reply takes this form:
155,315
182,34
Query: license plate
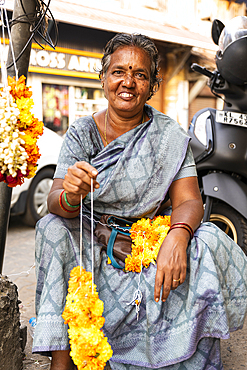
231,118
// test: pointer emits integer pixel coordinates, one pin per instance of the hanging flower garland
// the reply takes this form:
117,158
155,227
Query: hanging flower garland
147,236
83,310
19,131
83,313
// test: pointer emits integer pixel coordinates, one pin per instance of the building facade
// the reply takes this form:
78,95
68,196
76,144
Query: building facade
65,81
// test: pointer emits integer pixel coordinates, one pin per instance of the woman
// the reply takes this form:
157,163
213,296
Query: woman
196,293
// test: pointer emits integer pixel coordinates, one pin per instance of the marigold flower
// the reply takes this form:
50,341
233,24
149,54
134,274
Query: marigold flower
104,350
147,236
19,131
19,88
31,171
83,313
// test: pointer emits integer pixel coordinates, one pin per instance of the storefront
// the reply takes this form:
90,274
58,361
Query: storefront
65,85
65,81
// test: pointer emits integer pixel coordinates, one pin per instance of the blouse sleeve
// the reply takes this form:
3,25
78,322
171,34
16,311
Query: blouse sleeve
188,168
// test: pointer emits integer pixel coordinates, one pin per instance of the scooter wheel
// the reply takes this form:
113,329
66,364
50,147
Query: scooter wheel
231,222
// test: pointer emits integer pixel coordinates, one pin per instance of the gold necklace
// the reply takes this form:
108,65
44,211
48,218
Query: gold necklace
102,134
105,125
143,118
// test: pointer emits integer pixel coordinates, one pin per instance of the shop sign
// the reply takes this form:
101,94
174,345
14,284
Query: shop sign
62,61
52,59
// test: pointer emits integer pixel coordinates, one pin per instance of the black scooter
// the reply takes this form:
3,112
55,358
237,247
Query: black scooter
219,138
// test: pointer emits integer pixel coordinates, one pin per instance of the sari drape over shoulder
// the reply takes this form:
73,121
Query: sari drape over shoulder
135,170
135,173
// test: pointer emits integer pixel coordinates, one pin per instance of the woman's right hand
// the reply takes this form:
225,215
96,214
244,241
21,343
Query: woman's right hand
77,181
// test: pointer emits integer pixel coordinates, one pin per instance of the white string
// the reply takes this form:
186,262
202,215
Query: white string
36,362
81,235
92,247
92,241
23,272
11,44
137,296
112,224
3,66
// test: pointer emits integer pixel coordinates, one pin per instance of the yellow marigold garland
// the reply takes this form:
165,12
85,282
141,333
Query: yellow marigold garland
83,313
83,310
147,236
19,131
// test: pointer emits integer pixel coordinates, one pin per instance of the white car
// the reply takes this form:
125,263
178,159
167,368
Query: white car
29,199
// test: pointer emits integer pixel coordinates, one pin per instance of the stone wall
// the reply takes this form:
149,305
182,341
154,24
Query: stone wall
11,355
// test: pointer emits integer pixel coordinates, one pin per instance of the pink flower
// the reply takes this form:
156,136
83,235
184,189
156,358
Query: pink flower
2,177
13,181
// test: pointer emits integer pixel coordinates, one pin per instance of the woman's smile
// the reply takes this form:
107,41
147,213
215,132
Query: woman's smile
127,80
126,95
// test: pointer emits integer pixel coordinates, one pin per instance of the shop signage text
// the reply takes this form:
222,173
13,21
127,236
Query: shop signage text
66,62
44,58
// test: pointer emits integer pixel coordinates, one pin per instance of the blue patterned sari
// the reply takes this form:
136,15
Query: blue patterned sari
135,172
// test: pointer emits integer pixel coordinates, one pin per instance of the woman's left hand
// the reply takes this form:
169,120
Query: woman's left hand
171,263
187,207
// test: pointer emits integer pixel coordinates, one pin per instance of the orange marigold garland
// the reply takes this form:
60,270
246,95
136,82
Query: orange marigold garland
83,310
19,131
83,313
147,236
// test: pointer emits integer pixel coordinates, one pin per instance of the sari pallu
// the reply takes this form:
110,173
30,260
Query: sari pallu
210,303
135,170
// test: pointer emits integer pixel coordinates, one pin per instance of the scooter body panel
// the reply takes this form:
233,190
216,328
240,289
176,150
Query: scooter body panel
226,144
219,137
227,189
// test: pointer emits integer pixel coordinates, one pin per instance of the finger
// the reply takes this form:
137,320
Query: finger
77,173
78,176
175,282
79,179
183,269
183,275
90,170
179,278
159,279
166,287
75,189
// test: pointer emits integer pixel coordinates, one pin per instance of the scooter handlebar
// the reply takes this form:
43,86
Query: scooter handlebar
202,70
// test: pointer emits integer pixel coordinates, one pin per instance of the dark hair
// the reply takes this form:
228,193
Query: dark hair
140,41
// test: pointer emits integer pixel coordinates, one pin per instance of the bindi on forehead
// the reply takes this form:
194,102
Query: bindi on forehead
130,67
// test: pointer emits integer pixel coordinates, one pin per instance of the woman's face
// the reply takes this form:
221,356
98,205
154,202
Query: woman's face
127,80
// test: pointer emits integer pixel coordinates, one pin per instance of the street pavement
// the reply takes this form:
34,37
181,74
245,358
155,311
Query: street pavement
19,267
